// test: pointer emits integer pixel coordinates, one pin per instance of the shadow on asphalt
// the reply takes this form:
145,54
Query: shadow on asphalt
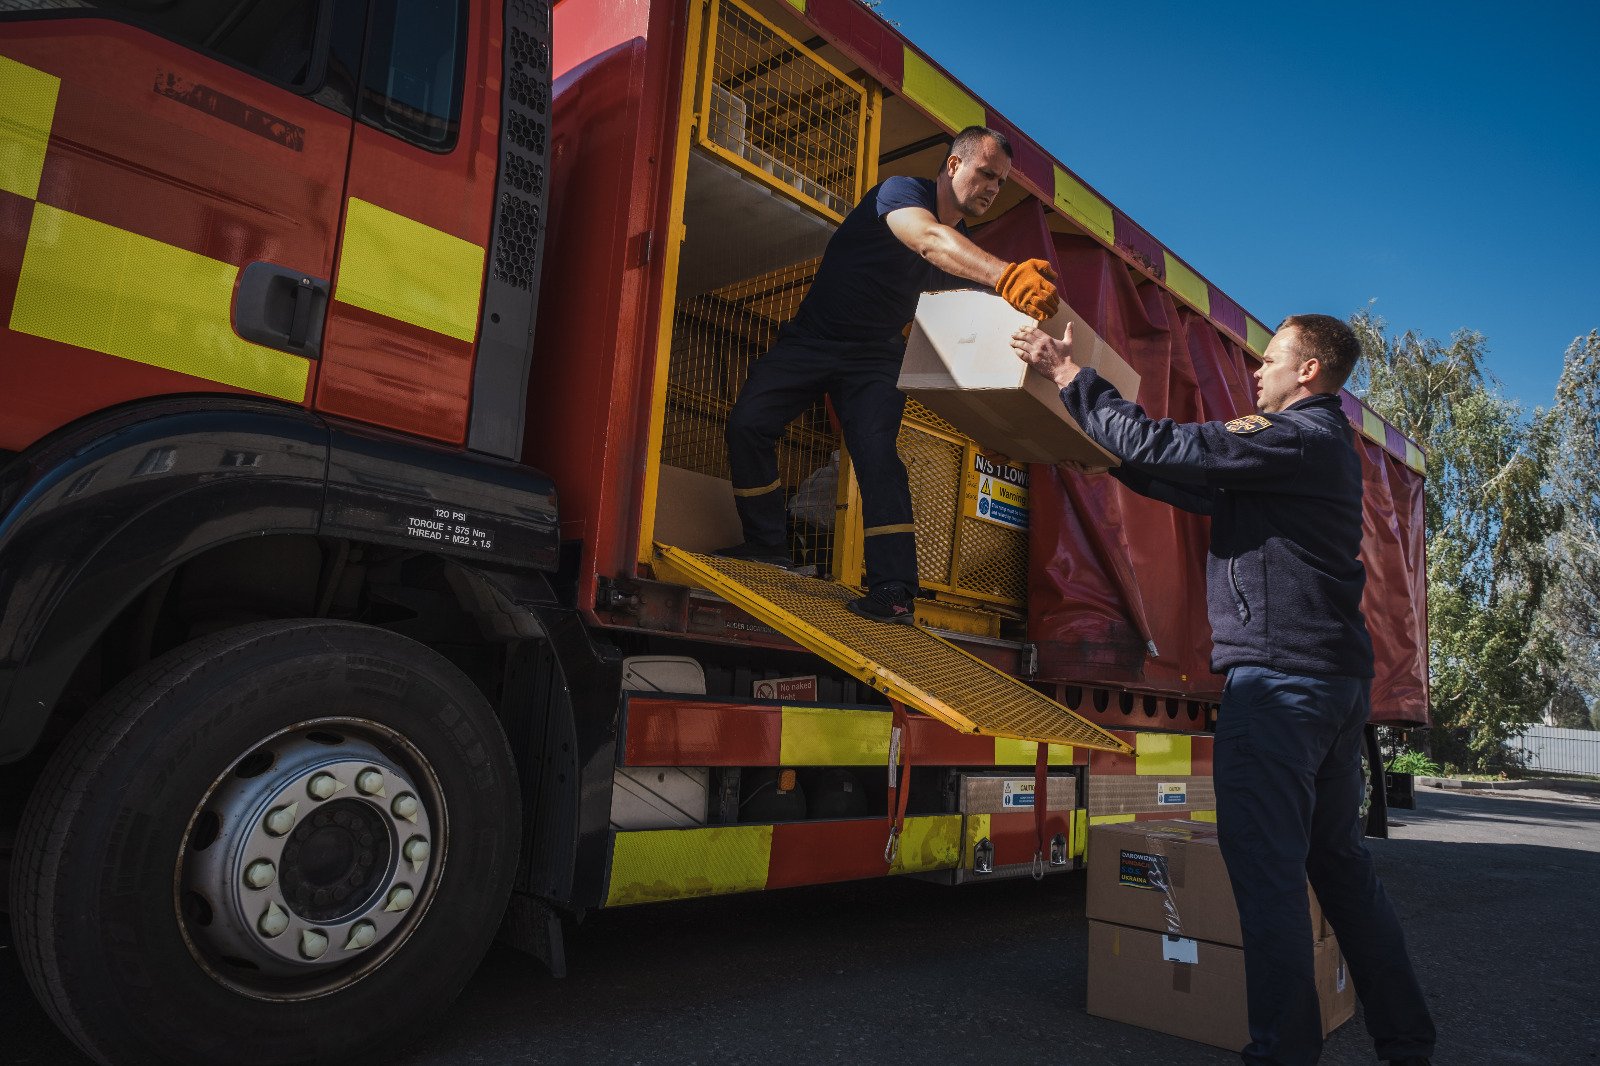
1497,897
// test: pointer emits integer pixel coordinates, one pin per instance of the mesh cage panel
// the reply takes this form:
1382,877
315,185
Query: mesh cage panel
715,338
933,466
993,561
781,112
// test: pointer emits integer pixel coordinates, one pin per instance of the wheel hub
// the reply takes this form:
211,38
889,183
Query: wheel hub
309,860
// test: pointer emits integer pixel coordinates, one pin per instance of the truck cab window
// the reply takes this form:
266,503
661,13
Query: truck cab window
273,38
412,80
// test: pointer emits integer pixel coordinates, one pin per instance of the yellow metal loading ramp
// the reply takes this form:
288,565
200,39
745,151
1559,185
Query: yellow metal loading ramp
906,663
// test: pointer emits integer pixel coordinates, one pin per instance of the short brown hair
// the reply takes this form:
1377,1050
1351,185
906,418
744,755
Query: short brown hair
1328,340
968,139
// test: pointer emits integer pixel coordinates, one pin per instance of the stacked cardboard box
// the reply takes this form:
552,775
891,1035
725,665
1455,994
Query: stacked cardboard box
1164,944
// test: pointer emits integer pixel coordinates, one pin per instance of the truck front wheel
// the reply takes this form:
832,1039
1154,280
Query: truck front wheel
287,842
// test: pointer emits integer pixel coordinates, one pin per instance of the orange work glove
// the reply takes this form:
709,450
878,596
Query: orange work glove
1027,287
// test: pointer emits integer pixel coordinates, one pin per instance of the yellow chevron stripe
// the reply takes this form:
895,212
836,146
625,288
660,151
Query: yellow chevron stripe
977,829
1080,833
1074,200
1109,819
1415,459
826,736
95,286
653,865
25,120
929,843
1202,816
395,266
1008,752
942,98
1186,283
1373,426
1256,335
1163,754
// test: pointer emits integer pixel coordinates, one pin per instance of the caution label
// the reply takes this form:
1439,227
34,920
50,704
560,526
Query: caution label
1017,793
1176,793
997,492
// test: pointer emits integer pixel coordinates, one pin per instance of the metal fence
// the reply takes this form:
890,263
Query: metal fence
1549,750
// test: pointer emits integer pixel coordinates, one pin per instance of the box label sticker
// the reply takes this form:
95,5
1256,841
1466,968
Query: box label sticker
1179,949
997,492
1016,794
1136,869
1177,793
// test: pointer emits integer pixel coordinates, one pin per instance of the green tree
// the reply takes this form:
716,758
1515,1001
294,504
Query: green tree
1491,661
1568,709
1572,429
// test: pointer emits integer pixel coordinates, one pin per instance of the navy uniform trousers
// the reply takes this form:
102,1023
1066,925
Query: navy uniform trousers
1287,770
861,380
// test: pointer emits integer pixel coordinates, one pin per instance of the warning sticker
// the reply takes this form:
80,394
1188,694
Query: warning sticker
1017,793
1172,793
997,492
1140,870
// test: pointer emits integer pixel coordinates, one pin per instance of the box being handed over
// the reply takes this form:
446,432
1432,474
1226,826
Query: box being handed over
960,365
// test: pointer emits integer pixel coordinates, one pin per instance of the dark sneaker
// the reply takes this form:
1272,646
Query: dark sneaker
886,603
767,555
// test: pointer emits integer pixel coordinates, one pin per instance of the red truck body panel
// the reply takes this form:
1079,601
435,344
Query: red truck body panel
1111,574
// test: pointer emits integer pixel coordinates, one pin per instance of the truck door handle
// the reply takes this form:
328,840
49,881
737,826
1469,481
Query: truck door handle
280,308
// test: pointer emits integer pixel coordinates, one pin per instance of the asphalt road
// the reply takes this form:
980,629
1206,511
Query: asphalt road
1499,894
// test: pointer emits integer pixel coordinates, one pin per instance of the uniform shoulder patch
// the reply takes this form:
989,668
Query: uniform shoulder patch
1248,424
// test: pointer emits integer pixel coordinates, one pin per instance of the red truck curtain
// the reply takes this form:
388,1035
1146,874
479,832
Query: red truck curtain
1117,582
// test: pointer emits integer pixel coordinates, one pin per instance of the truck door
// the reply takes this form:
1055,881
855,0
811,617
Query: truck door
416,217
170,179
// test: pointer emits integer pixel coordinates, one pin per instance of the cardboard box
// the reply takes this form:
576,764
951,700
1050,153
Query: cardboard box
1192,988
960,365
1168,876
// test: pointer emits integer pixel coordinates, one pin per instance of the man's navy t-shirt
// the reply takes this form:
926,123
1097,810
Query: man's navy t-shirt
867,286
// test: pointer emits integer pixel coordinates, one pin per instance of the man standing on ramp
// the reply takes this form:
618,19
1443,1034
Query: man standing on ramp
908,235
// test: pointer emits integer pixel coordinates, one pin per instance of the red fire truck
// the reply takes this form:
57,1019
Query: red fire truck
363,373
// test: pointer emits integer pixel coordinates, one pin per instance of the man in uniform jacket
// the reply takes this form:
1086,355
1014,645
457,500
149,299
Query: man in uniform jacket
1283,593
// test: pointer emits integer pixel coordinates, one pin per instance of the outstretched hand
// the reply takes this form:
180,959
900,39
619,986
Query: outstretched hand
1050,357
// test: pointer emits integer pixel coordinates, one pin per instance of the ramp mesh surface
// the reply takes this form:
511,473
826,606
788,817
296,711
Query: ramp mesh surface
906,663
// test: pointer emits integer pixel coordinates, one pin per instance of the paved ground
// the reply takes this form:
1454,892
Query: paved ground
1500,896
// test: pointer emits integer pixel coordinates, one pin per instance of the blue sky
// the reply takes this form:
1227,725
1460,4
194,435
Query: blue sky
1442,160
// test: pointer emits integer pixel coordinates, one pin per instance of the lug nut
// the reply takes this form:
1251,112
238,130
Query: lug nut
281,820
400,898
361,934
259,874
416,852
406,806
323,785
370,783
313,943
273,920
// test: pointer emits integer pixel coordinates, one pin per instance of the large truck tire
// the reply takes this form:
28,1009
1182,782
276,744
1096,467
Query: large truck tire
290,842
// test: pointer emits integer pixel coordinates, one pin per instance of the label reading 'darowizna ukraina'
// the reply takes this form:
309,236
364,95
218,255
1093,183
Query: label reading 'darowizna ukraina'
1140,870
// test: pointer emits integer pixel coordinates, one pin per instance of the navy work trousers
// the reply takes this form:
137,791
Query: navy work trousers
1287,771
861,380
